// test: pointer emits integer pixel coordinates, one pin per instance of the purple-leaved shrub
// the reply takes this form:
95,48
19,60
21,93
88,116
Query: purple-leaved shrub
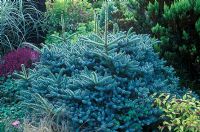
14,59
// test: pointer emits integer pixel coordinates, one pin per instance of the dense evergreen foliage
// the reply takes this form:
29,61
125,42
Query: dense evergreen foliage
177,28
103,87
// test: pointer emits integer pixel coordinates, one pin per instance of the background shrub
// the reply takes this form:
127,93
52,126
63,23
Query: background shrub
176,25
96,3
111,9
133,13
65,15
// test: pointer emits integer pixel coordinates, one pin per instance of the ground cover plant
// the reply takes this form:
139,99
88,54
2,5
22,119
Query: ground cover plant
180,114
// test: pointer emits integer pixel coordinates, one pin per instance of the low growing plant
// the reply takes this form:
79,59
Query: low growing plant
7,91
10,107
180,115
14,59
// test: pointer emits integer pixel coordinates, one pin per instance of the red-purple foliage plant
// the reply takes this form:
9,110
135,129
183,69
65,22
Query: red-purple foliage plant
14,59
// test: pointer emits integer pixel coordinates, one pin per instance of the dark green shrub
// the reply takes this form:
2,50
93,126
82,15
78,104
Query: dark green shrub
176,24
132,13
96,3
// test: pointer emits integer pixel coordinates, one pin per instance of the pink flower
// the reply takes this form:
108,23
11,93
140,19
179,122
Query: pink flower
16,123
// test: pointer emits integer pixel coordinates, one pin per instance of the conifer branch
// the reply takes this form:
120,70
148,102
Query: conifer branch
95,22
106,26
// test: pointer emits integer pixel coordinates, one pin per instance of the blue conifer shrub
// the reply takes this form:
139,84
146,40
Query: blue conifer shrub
104,86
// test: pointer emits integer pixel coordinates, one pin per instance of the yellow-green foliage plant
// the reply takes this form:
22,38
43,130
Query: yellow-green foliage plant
65,15
180,115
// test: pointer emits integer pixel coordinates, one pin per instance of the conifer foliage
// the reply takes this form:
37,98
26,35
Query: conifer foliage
176,24
104,86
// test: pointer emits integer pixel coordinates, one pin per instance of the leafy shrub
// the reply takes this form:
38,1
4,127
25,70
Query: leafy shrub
65,15
103,85
84,29
133,13
176,24
54,38
14,59
19,22
7,91
5,126
11,112
57,38
96,3
179,114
